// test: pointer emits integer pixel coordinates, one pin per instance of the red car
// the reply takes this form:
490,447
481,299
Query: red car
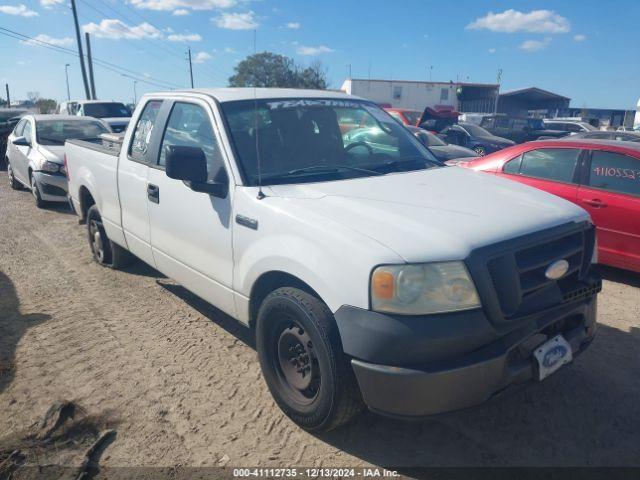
405,116
603,177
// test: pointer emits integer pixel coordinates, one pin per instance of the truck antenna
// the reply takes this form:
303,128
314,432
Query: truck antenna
261,194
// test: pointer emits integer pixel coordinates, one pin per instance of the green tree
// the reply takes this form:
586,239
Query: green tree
46,105
269,69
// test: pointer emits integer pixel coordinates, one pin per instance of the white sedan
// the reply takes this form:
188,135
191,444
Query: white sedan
35,153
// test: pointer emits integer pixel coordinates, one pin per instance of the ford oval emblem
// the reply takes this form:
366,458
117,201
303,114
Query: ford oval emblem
554,355
557,270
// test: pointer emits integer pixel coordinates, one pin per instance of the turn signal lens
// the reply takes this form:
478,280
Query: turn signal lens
382,284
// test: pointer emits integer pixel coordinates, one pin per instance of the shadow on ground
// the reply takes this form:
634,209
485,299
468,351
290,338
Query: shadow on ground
13,325
618,275
231,325
586,414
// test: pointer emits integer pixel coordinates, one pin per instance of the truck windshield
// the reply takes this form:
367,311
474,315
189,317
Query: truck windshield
56,132
309,139
106,110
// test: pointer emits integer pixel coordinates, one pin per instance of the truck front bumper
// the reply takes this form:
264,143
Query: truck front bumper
467,361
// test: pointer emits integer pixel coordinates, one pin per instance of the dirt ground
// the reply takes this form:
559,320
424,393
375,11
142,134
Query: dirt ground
180,384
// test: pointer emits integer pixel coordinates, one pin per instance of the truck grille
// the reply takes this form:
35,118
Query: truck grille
516,270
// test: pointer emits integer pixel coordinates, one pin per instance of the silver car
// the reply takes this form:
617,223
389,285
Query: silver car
35,153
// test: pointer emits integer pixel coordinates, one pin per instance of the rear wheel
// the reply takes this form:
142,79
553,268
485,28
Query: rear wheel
302,361
35,190
104,251
13,183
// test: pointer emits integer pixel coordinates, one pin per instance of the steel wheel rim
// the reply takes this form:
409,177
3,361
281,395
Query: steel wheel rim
296,364
95,237
480,151
34,187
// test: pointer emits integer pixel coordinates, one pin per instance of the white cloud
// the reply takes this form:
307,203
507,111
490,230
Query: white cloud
302,50
293,25
115,30
580,37
184,37
19,9
237,21
492,50
182,4
51,3
61,42
535,45
510,21
229,50
181,12
201,57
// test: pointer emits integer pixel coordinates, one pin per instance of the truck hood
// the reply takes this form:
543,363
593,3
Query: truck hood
431,215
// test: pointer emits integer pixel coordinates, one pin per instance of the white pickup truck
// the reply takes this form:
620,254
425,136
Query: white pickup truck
371,274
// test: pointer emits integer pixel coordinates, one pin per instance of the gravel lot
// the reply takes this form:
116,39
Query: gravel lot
180,383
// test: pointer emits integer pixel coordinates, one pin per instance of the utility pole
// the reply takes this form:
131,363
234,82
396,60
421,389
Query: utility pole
349,67
66,73
190,67
79,40
90,62
498,80
6,86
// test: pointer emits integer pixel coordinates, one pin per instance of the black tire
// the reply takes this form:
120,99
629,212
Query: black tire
480,151
35,190
302,361
104,251
13,183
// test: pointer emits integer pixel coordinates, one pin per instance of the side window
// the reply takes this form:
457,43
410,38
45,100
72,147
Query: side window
189,126
512,167
27,132
444,94
557,164
572,127
19,127
488,123
615,172
142,134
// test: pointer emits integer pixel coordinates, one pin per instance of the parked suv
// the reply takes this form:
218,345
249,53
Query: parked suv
519,129
368,274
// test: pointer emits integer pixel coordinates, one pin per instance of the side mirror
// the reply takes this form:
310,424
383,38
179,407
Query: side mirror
189,164
21,142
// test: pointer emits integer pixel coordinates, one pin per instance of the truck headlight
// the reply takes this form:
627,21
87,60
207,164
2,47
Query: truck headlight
420,289
50,167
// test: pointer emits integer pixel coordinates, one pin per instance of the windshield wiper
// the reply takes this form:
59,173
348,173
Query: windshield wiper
330,169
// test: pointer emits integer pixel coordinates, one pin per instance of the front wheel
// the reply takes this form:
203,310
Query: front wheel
35,190
302,361
104,251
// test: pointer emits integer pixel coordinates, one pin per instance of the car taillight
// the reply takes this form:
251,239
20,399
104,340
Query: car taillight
66,167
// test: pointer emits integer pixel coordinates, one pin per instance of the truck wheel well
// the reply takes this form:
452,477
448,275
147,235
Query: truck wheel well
267,283
86,201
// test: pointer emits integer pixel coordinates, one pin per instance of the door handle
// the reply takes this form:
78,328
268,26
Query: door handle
153,193
595,202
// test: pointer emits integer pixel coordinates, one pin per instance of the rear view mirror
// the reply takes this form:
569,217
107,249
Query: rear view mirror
189,164
21,142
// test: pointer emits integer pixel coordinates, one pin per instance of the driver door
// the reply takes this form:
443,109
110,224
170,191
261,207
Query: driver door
191,231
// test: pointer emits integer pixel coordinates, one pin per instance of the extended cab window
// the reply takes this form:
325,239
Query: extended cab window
615,172
557,164
142,134
189,126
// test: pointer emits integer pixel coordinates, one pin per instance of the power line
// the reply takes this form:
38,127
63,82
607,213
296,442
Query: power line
204,69
103,63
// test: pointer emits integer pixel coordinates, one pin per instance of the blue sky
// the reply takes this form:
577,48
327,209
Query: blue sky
582,49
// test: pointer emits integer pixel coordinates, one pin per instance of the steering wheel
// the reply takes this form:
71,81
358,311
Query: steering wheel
359,144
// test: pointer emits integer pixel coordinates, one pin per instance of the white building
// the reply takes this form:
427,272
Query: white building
463,97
